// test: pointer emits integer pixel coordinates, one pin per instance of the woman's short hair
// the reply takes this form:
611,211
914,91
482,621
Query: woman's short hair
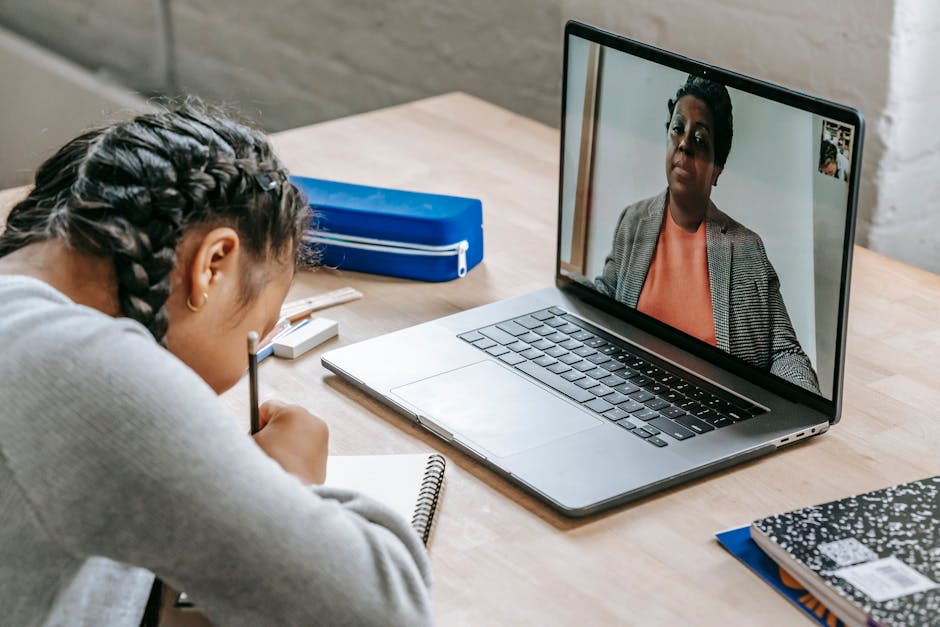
716,98
130,191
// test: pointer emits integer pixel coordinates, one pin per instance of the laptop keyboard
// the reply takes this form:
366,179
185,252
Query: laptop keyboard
610,377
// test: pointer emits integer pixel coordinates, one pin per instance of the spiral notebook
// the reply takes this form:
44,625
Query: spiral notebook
408,484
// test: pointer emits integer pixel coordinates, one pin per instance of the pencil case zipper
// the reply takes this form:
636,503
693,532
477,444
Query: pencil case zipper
458,249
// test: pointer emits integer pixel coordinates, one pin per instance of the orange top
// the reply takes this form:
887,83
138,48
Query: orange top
677,290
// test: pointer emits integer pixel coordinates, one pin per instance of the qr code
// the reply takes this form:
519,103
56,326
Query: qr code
847,551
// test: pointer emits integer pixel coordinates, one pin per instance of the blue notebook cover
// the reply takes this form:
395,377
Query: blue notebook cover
738,542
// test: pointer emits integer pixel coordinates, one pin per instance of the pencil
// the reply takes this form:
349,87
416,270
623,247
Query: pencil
253,380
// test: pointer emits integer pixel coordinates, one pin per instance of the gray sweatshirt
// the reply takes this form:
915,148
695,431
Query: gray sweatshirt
117,460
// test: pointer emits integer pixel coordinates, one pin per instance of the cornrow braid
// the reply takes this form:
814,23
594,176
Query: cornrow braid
131,190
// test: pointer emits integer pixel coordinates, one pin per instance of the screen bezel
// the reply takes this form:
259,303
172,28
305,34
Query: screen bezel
842,114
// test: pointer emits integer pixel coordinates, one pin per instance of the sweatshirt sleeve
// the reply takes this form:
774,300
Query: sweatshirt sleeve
125,453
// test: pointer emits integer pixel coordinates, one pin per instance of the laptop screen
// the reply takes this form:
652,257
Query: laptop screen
716,205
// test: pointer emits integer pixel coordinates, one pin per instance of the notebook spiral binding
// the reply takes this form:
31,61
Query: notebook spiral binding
427,496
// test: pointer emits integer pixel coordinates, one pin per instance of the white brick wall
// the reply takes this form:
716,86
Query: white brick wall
293,62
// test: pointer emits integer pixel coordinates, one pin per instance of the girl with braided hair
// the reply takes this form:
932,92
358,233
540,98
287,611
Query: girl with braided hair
129,278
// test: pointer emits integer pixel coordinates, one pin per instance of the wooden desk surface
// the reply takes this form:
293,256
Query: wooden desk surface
499,556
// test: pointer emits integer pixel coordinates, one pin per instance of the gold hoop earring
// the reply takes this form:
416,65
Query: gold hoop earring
192,307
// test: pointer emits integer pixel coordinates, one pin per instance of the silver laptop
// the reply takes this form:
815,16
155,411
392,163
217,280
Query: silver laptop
698,316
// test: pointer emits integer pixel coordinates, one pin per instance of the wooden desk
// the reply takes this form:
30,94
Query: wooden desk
499,556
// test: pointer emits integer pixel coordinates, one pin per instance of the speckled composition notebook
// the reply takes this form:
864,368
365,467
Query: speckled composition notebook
874,558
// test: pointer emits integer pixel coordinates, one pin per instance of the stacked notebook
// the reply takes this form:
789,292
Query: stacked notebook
872,559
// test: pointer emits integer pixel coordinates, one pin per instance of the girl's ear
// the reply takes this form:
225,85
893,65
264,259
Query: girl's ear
214,261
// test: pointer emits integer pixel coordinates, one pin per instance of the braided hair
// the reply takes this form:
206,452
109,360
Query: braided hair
129,192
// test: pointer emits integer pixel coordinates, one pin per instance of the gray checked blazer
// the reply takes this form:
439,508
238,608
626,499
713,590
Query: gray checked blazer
751,319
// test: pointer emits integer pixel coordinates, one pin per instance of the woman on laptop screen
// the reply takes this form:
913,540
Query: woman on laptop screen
674,253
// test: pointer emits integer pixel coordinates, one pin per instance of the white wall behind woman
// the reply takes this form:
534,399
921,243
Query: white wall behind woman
288,63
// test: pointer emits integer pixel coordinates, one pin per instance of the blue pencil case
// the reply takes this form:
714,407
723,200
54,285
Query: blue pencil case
412,235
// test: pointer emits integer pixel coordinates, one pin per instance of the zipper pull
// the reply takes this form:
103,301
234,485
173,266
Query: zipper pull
462,258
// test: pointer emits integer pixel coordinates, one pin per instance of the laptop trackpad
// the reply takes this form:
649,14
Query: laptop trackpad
499,411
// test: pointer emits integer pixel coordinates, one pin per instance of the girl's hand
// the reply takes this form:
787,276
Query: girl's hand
294,438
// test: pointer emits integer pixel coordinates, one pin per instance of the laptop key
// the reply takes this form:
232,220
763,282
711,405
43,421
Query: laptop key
569,328
597,373
612,380
656,441
556,351
581,336
471,337
570,344
614,366
721,422
558,368
545,361
705,414
512,328
670,412
657,404
542,344
555,322
641,432
694,424
568,359
738,415
609,350
582,366
543,330
586,383
557,311
518,346
511,358
595,342
642,396
645,414
616,414
600,390
498,335
532,353
498,350
485,343
626,424
615,397
631,406
571,375
528,322
597,358
599,405
671,428
556,337
555,382
543,315
584,351
530,337
626,388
